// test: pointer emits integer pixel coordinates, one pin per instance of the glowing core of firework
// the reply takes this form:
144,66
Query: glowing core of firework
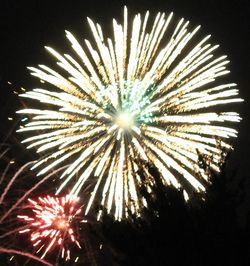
124,120
52,224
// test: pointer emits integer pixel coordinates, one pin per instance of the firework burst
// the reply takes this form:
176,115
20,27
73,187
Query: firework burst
52,224
149,93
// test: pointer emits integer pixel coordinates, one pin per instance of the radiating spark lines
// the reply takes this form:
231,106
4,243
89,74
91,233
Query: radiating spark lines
148,93
51,224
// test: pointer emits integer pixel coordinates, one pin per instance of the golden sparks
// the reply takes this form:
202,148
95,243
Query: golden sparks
148,93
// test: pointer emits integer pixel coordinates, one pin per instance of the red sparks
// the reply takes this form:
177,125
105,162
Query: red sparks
52,225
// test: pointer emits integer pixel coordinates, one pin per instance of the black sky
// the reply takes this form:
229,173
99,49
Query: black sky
26,26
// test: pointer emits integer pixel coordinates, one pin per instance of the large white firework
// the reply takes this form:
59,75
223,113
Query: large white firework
146,94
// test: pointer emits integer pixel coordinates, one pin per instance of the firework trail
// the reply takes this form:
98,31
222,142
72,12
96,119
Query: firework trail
51,224
9,209
15,176
149,93
25,254
27,193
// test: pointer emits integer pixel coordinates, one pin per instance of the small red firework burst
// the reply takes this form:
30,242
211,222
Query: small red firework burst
52,225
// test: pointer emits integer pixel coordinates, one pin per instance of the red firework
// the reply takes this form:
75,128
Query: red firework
52,226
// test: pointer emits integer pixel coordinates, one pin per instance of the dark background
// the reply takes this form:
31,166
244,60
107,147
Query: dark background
26,26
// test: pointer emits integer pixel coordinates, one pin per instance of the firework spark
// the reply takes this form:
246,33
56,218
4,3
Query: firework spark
52,224
149,93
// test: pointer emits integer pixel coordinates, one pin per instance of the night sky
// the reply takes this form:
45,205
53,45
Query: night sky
27,26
